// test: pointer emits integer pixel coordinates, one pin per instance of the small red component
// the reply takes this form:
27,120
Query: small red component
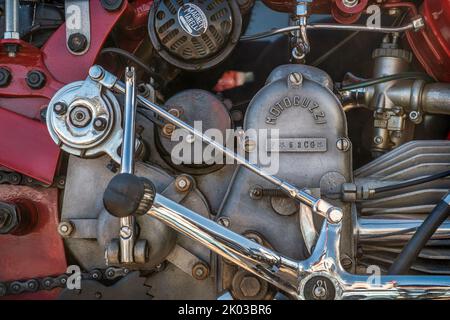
432,44
40,252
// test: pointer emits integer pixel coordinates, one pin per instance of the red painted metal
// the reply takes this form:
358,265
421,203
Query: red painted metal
26,147
66,67
39,253
432,45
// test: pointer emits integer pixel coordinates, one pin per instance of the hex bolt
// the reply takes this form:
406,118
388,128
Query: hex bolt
415,117
168,129
5,77
100,124
183,183
250,286
200,271
80,116
96,73
9,218
60,108
295,78
65,228
343,144
77,42
36,79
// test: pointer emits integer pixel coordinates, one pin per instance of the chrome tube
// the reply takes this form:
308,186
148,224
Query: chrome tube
295,277
127,224
129,123
247,254
11,19
319,206
394,229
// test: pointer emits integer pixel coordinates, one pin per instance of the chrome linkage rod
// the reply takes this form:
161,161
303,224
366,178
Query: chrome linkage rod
320,277
319,206
416,24
127,224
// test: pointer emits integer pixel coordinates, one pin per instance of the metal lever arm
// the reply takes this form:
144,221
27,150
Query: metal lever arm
321,276
319,206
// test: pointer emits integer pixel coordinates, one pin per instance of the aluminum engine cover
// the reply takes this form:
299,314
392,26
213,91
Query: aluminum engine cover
314,152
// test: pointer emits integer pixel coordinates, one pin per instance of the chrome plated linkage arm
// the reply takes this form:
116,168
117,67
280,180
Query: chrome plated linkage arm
127,235
321,276
416,24
319,206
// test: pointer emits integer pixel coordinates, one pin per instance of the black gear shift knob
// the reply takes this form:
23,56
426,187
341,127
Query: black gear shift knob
127,195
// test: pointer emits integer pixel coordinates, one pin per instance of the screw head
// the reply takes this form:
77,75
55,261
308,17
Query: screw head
378,140
343,144
100,124
295,78
60,108
77,42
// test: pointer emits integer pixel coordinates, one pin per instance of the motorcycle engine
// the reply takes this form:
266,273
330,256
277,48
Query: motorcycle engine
296,126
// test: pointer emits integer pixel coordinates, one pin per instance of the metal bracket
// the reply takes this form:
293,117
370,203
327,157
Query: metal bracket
78,26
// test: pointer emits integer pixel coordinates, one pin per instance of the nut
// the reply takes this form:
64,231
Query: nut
200,271
168,129
60,108
183,183
65,228
100,124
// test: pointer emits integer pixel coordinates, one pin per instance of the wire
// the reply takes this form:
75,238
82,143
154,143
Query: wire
411,251
412,182
398,76
133,58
